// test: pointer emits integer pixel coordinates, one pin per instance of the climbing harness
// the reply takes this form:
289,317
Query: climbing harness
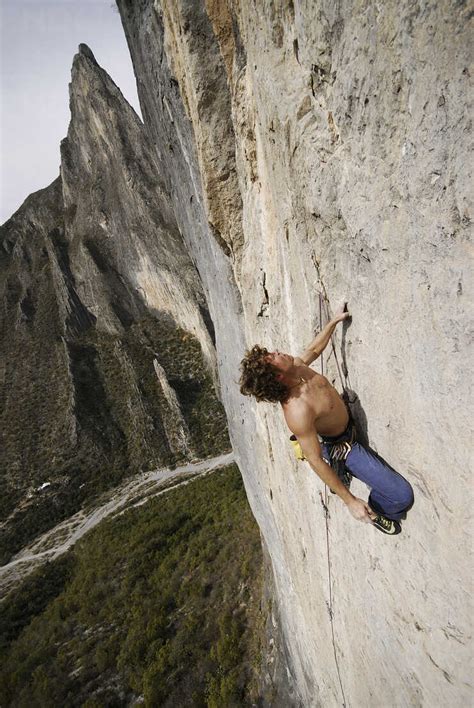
337,452
339,449
337,457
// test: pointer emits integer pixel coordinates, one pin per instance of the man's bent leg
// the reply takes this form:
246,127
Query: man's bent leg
391,494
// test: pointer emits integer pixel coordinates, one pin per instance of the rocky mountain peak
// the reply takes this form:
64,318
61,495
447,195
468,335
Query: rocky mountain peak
107,309
85,51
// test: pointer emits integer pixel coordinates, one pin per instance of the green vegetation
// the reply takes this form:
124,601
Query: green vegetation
103,387
157,489
34,595
161,602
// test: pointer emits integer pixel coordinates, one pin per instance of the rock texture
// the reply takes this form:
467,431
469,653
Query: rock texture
318,147
107,357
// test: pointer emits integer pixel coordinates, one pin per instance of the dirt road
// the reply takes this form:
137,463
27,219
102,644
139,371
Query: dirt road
131,494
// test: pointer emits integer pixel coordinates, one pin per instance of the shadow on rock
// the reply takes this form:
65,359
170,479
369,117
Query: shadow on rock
352,401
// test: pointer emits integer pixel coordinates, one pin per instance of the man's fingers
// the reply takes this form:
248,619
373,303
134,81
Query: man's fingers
365,516
361,510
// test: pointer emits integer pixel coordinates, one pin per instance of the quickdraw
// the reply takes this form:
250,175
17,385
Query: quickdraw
340,451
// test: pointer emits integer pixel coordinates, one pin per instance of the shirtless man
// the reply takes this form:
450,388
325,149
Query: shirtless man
312,406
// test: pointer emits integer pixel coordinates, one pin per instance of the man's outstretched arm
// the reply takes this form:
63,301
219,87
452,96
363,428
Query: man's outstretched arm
319,344
311,447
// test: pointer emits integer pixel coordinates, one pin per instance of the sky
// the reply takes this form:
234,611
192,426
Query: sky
38,40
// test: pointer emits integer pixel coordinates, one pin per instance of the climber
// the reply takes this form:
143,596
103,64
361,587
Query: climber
312,406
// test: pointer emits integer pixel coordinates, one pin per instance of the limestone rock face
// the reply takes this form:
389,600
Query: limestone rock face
319,147
108,161
107,360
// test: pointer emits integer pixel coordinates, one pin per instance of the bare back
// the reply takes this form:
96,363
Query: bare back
316,402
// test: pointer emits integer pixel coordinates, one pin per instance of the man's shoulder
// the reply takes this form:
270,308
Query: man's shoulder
299,415
304,369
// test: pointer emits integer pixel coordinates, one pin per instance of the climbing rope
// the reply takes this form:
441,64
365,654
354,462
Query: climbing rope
325,505
323,300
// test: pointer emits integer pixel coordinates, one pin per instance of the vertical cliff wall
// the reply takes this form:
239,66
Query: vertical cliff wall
323,147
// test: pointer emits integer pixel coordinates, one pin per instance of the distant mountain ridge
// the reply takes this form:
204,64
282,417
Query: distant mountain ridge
107,357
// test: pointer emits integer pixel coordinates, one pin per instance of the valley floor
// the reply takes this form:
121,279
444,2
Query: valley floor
131,493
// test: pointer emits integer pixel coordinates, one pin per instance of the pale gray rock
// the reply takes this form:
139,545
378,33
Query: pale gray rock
348,126
123,221
176,428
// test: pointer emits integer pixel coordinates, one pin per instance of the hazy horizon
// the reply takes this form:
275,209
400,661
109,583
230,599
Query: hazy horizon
39,41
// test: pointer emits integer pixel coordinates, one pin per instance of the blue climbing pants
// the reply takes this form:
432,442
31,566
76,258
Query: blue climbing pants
391,494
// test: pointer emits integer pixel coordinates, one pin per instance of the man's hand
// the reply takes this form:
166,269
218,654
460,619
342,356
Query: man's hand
321,341
360,510
341,314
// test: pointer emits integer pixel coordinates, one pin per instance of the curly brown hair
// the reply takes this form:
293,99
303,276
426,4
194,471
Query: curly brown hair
258,377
